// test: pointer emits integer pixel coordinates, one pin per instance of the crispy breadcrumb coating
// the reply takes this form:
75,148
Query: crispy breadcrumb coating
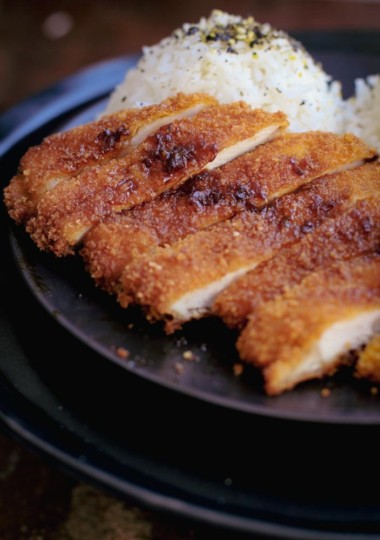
165,159
62,156
354,232
180,282
306,332
253,179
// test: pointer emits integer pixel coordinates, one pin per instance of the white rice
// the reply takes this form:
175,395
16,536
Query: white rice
234,59
362,111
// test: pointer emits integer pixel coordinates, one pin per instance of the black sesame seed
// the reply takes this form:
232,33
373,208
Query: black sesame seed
192,30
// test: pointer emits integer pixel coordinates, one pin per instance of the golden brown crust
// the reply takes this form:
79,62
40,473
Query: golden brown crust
354,232
269,171
64,155
110,246
165,159
282,332
159,279
368,364
17,200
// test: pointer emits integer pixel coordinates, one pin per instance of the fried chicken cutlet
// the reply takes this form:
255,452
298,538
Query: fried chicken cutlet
62,156
354,232
306,332
181,281
255,178
165,159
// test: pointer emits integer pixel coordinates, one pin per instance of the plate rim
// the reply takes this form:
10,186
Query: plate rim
220,401
153,499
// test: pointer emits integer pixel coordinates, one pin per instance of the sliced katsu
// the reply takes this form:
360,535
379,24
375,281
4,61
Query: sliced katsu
253,179
176,151
309,330
181,281
354,232
64,155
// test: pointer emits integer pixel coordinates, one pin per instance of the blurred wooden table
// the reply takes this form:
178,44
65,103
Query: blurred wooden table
41,42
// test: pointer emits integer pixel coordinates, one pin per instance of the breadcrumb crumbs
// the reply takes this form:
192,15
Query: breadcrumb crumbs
238,369
188,355
122,352
325,392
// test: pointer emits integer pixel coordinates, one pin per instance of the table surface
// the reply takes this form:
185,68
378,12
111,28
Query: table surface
40,43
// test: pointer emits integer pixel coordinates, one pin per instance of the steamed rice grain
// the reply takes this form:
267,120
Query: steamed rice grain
362,112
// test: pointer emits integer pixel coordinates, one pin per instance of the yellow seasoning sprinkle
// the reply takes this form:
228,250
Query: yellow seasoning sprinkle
188,355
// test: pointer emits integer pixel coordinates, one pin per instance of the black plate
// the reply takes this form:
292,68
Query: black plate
121,427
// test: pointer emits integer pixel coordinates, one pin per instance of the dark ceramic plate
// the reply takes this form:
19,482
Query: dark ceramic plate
176,435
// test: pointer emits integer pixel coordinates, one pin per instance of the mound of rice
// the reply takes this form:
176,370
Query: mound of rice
233,58
362,111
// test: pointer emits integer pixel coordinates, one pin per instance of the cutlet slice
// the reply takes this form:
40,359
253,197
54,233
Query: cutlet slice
354,232
306,332
254,179
181,281
368,364
165,159
64,155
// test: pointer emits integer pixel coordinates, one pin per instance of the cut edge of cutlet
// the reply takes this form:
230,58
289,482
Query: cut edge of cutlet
308,331
222,252
347,235
254,178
